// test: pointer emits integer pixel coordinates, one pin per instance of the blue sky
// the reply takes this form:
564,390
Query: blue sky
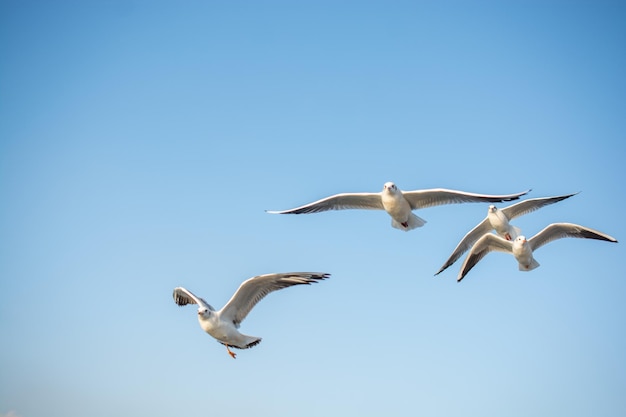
141,143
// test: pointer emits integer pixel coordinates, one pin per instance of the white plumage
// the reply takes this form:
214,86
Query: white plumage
397,203
223,324
523,249
498,220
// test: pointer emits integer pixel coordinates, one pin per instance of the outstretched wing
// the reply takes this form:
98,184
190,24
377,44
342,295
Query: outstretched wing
439,196
183,296
251,291
488,243
470,238
561,230
530,205
370,201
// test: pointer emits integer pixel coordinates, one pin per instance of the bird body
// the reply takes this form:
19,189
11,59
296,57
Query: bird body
223,324
226,333
398,204
523,249
398,207
500,223
523,253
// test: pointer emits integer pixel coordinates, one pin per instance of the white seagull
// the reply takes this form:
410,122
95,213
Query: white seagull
523,249
498,220
223,324
397,203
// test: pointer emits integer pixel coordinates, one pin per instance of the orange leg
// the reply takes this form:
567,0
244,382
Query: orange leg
232,354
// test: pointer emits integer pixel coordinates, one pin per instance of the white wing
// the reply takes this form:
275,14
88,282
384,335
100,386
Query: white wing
251,291
183,296
488,243
530,205
371,201
561,230
439,196
467,241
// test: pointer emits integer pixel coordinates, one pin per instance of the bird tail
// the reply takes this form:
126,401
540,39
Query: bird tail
252,341
412,222
249,342
533,264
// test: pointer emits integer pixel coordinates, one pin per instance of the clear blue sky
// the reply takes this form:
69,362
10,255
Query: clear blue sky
142,141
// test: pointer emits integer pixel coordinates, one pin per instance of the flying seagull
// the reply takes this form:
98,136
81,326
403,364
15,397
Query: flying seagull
523,249
397,203
498,219
223,324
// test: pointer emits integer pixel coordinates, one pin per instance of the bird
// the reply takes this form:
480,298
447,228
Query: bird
523,249
397,203
498,220
223,324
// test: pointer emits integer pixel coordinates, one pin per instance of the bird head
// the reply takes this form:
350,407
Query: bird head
390,187
204,312
520,240
492,208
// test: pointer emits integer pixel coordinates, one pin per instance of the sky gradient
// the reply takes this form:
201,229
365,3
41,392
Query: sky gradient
142,141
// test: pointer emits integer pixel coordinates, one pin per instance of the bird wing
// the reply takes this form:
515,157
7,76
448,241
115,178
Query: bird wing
467,242
488,243
183,296
251,291
439,196
561,230
371,201
530,205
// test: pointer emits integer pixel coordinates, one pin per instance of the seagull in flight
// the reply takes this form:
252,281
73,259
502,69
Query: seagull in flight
523,248
397,203
498,220
223,324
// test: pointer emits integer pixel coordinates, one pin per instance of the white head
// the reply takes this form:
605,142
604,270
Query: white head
492,208
390,187
520,241
204,312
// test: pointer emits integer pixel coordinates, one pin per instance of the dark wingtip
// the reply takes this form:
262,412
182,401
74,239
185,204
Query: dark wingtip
316,277
563,197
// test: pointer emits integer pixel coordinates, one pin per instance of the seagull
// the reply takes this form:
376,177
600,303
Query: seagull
397,203
523,249
223,324
498,219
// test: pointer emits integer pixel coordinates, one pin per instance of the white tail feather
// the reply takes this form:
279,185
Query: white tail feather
413,222
533,264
